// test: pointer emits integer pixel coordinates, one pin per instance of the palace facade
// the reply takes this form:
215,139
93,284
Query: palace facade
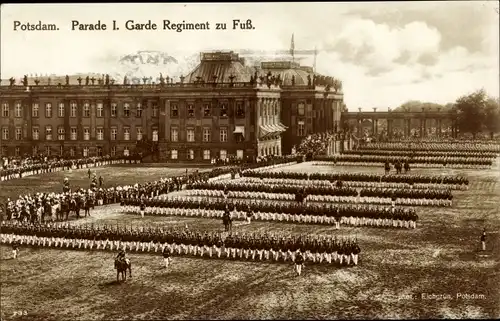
221,109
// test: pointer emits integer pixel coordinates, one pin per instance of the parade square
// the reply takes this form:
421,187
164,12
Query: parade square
396,265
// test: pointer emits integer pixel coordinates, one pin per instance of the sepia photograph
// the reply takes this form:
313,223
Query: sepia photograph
232,161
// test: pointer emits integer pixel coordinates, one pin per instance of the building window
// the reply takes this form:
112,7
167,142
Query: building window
206,134
114,133
114,109
85,152
48,132
99,151
5,133
174,135
207,111
139,110
154,110
18,111
34,110
48,110
35,133
174,111
223,110
61,150
60,133
100,110
126,110
34,150
138,132
191,154
206,154
113,151
223,135
126,133
47,150
301,109
155,135
17,151
60,110
86,133
126,151
239,154
100,133
72,151
19,133
73,107
174,154
74,133
223,154
190,110
240,110
190,135
5,110
86,110
301,130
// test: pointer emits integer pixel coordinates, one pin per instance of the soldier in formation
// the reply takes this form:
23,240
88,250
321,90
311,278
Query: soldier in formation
258,247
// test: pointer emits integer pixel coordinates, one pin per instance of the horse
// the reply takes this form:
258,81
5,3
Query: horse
121,266
40,213
55,211
74,207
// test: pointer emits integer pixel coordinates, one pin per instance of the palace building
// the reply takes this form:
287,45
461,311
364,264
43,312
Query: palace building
222,108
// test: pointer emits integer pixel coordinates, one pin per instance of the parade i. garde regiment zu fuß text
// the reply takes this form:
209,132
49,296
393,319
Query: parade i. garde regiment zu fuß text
240,24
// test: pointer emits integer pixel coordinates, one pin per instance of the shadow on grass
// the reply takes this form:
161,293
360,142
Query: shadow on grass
111,283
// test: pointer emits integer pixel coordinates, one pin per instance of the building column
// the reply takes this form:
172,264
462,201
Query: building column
389,127
438,130
360,122
407,127
373,126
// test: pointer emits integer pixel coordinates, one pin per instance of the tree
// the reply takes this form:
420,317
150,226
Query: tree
471,112
492,116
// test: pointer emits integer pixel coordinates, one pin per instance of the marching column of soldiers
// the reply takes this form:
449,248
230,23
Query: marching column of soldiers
357,215
315,248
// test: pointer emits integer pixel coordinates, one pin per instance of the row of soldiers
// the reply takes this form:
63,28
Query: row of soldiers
364,177
352,184
263,190
317,248
273,188
267,209
443,160
414,153
54,165
324,198
437,146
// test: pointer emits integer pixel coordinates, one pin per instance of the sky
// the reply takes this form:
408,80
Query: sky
385,53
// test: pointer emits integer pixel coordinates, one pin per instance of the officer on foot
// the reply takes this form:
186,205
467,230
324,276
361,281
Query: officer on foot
299,262
15,250
166,256
483,240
